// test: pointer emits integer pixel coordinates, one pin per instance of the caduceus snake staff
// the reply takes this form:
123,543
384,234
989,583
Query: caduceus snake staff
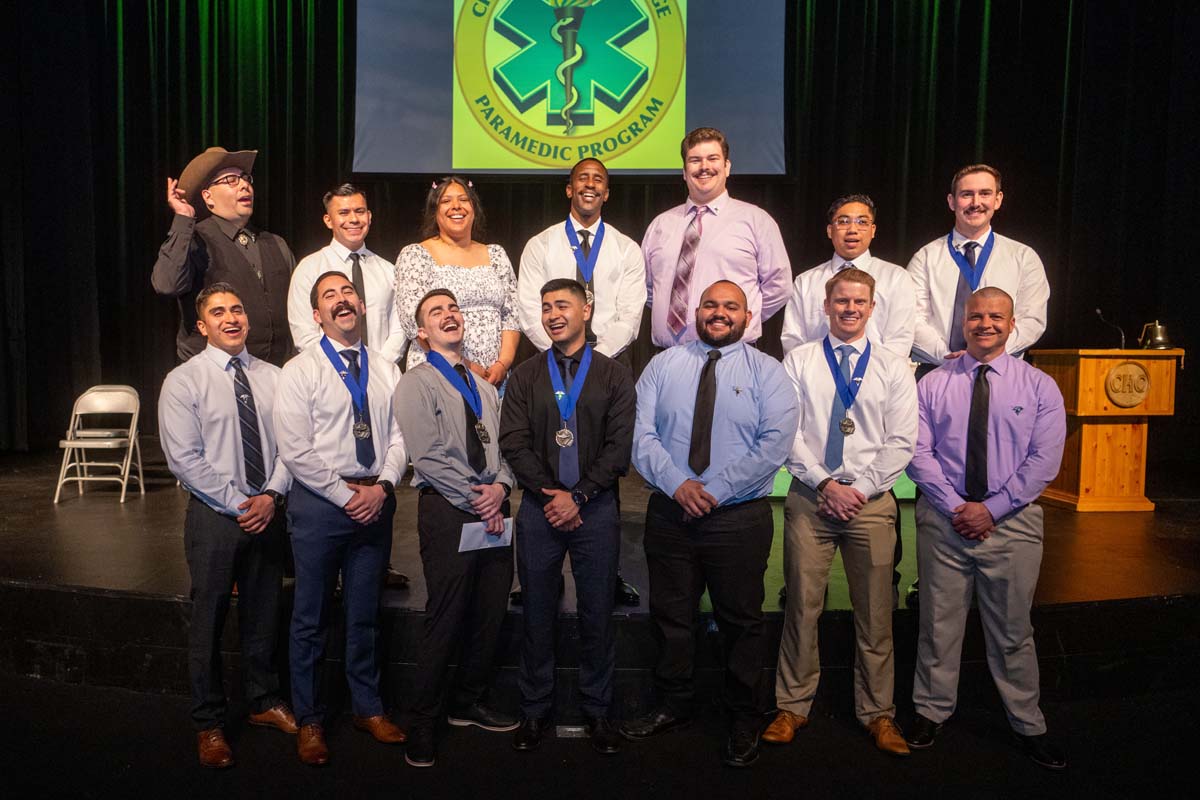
568,15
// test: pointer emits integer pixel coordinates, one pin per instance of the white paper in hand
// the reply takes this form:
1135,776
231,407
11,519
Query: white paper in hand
476,537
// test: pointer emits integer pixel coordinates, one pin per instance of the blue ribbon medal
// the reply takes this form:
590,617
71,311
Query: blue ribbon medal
567,400
587,266
358,389
848,392
468,389
972,277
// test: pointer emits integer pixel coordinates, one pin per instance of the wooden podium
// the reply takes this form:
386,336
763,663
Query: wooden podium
1109,395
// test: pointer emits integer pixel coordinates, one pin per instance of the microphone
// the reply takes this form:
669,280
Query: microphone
1100,314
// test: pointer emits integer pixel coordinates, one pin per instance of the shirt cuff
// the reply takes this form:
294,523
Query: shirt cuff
672,481
720,489
341,494
1000,506
868,488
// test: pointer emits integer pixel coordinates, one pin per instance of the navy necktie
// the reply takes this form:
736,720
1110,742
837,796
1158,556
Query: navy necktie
476,457
568,457
836,439
252,455
364,449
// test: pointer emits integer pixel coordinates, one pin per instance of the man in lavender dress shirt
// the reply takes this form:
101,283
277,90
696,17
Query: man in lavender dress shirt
709,238
990,439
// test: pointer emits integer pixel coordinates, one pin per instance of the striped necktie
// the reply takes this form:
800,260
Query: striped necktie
252,455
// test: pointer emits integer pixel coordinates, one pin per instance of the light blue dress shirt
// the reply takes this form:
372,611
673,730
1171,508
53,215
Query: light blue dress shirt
754,421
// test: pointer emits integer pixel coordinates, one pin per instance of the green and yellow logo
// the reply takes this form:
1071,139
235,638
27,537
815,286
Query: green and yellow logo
548,82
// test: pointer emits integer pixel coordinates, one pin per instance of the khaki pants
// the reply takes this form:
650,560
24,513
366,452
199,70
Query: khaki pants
867,543
1003,571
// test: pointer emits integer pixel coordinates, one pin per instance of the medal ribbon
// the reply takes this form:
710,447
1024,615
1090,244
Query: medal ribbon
586,265
848,393
358,390
566,402
972,277
468,390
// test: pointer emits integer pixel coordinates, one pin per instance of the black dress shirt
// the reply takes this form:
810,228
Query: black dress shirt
604,416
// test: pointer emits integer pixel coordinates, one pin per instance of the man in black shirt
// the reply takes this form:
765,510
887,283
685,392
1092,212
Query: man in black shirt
211,240
566,430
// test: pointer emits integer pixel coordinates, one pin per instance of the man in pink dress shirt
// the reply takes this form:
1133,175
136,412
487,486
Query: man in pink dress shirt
709,238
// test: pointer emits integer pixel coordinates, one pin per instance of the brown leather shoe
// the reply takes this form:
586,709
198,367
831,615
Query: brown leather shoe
213,750
888,737
279,717
310,745
784,727
382,728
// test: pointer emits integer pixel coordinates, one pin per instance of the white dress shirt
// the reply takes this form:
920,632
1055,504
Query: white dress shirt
314,417
383,331
891,324
618,281
1012,266
884,415
201,433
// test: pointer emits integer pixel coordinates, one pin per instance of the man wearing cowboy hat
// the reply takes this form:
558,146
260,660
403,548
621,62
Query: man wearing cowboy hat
211,241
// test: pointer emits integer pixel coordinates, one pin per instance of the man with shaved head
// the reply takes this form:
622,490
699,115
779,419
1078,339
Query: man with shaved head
990,438
715,420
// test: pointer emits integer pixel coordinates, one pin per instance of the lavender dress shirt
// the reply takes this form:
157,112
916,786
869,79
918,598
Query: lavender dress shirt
741,243
1027,426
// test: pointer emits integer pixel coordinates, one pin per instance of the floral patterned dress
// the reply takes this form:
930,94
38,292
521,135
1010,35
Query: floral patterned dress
487,297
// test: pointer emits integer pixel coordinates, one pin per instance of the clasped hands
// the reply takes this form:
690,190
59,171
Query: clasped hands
488,506
840,502
694,499
973,521
366,504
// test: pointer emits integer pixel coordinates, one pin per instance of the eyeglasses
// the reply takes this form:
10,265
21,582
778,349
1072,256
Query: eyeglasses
232,180
841,223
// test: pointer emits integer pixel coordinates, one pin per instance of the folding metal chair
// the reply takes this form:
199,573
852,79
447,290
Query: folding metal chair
104,399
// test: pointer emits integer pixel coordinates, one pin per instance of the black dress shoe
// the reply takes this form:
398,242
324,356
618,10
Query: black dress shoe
1042,752
396,580
482,716
742,748
783,594
922,733
657,721
515,597
529,735
626,594
420,750
605,738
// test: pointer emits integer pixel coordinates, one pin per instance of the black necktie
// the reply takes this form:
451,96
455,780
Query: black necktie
977,437
356,277
706,400
364,449
585,247
476,457
961,295
568,457
252,456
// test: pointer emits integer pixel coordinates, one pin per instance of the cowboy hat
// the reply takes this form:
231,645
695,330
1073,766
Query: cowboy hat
199,171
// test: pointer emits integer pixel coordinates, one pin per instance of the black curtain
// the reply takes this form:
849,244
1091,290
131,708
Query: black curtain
1087,107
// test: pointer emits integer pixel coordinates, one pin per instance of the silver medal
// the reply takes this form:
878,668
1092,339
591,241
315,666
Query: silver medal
591,298
482,433
362,430
846,426
564,438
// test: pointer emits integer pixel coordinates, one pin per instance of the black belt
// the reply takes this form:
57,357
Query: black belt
366,480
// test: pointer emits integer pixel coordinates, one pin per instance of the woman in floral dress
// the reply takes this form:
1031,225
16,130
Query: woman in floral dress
480,275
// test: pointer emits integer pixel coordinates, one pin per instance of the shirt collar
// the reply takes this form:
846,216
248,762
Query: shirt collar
229,228
714,206
343,253
579,226
576,356
999,364
859,344
726,351
338,347
221,358
959,239
859,262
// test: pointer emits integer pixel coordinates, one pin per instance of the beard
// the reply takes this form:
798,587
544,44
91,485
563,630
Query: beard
733,334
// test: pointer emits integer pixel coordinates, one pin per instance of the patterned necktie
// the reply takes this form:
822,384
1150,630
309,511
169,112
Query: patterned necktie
568,457
677,314
252,455
961,295
700,449
476,457
364,449
360,287
977,437
835,441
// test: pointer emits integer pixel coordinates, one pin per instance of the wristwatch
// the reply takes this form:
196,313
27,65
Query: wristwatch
507,490
821,486
579,497
277,497
388,486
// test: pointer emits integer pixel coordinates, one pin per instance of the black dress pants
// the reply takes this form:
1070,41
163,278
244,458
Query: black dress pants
219,553
725,551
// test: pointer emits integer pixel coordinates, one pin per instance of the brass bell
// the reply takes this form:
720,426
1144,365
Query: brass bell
1154,337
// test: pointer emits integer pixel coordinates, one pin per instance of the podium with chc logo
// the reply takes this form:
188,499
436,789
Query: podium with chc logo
1110,396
